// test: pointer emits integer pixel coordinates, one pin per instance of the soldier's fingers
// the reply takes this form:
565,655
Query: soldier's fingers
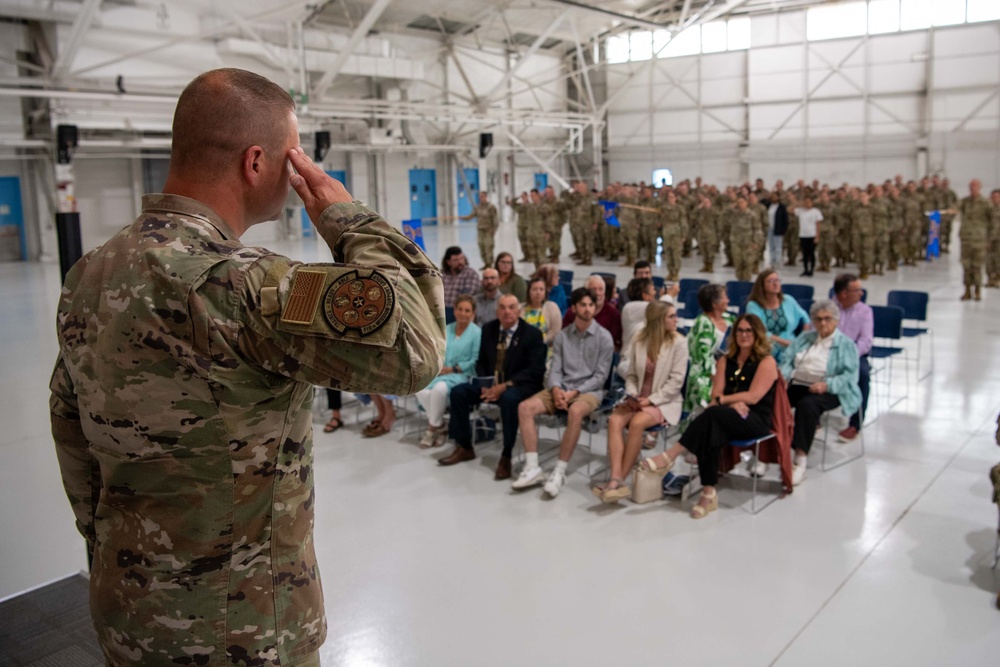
308,170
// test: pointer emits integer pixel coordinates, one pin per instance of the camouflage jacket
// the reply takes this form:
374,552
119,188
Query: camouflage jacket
486,217
180,407
975,219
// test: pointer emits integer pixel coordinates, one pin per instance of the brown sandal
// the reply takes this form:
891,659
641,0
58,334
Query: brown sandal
376,430
334,424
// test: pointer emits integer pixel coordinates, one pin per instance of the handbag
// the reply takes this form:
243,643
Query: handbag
648,485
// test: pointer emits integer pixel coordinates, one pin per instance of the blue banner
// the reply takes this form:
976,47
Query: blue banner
934,235
609,209
414,230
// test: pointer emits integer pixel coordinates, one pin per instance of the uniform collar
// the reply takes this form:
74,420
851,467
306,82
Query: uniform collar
188,207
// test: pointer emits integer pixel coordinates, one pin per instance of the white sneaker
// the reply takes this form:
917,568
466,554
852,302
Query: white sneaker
427,439
757,468
555,483
528,478
798,472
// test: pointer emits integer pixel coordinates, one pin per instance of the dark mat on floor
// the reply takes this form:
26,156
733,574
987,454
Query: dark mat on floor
50,627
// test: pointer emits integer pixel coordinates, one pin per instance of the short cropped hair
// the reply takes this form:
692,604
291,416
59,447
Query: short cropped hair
223,112
579,294
843,281
637,287
709,295
641,264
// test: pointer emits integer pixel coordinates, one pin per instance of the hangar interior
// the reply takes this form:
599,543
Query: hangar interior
884,561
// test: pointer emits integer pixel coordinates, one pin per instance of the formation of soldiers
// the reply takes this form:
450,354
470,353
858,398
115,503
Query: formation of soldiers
879,227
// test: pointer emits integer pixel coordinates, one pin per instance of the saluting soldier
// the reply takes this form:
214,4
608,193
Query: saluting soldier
485,214
949,202
650,223
674,231
554,215
181,398
863,226
976,213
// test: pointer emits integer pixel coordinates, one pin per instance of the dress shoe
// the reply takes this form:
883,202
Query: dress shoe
458,456
503,469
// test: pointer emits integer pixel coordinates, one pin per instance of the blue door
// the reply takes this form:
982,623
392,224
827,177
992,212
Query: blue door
13,244
423,194
308,231
541,181
467,200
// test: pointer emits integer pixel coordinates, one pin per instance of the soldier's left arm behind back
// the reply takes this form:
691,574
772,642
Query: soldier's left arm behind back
372,321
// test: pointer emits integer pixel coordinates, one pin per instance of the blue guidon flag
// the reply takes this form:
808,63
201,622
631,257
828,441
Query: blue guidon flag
414,230
609,212
934,235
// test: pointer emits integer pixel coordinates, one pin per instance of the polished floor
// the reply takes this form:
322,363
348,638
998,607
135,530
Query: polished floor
884,561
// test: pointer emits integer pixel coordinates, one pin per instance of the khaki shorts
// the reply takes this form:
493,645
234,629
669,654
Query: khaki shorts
545,396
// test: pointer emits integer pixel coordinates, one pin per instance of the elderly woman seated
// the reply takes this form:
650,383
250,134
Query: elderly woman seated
657,362
821,369
741,406
463,337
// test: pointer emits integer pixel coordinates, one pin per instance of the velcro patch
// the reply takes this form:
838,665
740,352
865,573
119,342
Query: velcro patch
362,304
304,296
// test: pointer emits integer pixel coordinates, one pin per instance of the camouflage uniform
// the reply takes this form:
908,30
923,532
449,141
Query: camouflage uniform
649,229
976,215
827,239
913,227
745,237
554,215
674,231
628,218
486,230
180,407
520,209
948,201
790,242
897,232
581,214
863,226
843,221
881,221
708,237
760,211
993,248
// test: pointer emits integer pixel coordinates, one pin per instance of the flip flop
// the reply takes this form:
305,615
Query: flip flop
334,424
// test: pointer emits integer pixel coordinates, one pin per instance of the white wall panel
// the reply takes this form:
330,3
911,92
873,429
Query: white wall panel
669,123
896,48
895,115
776,87
966,40
724,66
981,70
791,27
950,109
848,52
727,91
835,118
673,97
897,78
775,59
763,30
105,198
835,84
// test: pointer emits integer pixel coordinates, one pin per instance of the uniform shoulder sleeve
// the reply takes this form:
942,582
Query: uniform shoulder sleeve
372,322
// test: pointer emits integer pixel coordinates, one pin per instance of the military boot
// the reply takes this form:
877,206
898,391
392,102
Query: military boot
967,294
893,266
705,268
979,293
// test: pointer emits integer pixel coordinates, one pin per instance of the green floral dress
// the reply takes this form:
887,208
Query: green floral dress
703,342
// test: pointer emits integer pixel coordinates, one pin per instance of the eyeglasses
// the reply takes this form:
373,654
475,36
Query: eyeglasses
828,318
744,331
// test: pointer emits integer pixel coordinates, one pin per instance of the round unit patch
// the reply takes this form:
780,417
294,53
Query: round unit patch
363,304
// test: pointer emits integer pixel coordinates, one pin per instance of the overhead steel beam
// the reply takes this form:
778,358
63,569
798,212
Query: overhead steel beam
534,156
537,44
80,25
360,32
627,18
276,60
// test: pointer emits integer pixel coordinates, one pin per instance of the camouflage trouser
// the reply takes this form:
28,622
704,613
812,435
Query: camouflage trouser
648,233
973,258
995,478
485,237
993,260
897,246
708,244
864,244
522,237
630,240
555,239
881,250
612,241
790,244
945,232
842,245
535,250
585,243
575,232
745,260
825,248
673,248
915,240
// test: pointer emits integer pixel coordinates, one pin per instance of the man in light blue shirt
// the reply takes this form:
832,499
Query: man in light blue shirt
581,362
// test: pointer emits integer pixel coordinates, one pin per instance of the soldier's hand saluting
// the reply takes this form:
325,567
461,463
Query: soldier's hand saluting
316,188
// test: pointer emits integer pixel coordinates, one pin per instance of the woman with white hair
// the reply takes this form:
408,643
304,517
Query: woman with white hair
821,369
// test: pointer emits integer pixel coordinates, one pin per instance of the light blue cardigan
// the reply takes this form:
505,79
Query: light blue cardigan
841,368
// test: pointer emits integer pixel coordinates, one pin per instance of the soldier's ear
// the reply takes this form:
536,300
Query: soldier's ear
252,164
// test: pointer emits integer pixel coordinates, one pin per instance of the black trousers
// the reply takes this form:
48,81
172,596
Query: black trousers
808,246
712,430
465,397
864,382
808,409
333,399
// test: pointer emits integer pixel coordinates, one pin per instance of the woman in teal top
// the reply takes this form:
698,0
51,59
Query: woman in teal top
780,313
461,353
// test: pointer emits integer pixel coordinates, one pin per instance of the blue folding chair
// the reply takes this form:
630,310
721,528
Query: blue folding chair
755,443
658,282
690,309
799,292
691,284
888,328
566,280
914,305
449,314
738,292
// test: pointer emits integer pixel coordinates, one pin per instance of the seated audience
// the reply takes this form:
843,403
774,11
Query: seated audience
556,293
607,315
510,282
657,361
456,274
611,293
460,356
487,297
821,369
641,292
705,344
641,269
781,314
857,322
540,313
581,362
512,357
741,405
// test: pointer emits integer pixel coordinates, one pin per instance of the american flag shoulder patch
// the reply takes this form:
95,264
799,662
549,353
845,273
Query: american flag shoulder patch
303,301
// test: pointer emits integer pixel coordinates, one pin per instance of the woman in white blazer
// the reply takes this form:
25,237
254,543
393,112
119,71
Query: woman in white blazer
657,364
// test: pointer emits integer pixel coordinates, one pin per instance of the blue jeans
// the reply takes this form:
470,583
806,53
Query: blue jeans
774,247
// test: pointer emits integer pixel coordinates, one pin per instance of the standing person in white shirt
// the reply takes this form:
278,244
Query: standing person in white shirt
809,227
